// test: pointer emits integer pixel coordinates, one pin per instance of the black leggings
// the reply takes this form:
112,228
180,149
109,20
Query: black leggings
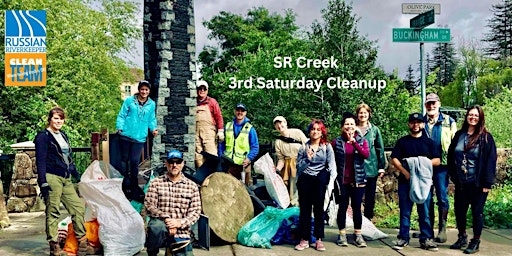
465,195
354,195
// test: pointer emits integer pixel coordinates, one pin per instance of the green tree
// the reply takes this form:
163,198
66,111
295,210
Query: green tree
500,36
498,118
84,40
444,63
462,92
253,57
410,81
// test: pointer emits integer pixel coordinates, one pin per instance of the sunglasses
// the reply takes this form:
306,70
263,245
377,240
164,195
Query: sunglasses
179,161
202,88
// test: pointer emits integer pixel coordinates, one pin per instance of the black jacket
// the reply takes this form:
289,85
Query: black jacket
486,163
49,157
339,154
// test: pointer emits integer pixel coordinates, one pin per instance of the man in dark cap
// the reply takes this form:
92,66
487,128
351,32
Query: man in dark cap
241,145
413,145
173,204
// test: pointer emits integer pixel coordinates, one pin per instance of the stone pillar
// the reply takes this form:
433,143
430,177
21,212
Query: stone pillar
169,64
4,217
23,190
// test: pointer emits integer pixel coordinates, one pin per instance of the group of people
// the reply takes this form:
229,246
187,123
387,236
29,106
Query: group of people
432,153
350,163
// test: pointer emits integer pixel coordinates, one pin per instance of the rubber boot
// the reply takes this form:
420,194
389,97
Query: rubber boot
55,249
443,216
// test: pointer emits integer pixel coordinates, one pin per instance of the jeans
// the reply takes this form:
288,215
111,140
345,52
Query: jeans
158,237
405,204
355,196
369,196
440,181
465,195
311,198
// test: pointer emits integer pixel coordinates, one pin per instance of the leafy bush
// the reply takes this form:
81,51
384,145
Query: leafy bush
498,208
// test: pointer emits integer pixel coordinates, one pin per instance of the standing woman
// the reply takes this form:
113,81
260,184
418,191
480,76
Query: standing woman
315,166
54,170
136,116
350,150
472,168
376,162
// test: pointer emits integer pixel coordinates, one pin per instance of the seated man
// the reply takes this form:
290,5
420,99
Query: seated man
173,204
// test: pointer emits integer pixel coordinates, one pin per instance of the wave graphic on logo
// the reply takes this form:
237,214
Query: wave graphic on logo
25,23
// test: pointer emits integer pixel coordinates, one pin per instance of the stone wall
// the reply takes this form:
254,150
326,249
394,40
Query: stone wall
169,64
23,190
387,186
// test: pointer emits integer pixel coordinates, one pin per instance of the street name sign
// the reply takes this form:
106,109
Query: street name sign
427,35
417,8
422,20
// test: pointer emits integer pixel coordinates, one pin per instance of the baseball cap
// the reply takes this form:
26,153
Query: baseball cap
144,83
415,117
202,83
242,106
279,119
431,97
174,154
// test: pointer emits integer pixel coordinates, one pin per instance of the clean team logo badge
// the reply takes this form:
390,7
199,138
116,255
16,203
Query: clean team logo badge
25,48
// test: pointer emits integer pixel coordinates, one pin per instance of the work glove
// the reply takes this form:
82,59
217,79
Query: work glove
220,135
45,192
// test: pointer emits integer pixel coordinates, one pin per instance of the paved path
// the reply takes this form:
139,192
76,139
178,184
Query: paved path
26,237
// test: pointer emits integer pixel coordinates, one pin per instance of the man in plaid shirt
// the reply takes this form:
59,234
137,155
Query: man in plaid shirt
173,203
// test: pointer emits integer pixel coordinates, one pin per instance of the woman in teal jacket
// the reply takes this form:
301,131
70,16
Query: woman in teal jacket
136,117
376,163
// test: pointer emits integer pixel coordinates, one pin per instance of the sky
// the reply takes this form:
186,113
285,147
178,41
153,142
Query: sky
466,19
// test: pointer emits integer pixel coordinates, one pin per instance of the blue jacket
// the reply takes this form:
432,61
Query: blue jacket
49,157
134,120
253,139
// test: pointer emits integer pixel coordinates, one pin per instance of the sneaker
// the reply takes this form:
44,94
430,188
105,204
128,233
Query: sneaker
462,242
429,245
400,244
359,241
473,247
319,245
342,240
302,245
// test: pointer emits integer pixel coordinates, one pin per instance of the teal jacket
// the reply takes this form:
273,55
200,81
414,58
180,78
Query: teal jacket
134,120
377,159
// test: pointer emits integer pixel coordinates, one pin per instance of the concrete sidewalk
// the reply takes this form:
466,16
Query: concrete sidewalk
26,236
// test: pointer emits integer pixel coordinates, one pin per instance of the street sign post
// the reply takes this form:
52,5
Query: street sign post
417,8
427,35
422,20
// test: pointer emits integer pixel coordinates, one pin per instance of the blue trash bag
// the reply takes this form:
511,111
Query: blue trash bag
289,233
259,231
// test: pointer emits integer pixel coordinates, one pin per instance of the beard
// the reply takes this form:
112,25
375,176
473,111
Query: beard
432,112
412,131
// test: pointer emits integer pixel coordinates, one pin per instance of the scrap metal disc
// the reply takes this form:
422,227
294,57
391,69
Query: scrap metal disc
227,204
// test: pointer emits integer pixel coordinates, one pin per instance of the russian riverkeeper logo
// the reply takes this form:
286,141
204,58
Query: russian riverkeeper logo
25,48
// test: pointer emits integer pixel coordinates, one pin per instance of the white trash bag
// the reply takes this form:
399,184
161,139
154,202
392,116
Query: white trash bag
368,229
273,181
121,228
